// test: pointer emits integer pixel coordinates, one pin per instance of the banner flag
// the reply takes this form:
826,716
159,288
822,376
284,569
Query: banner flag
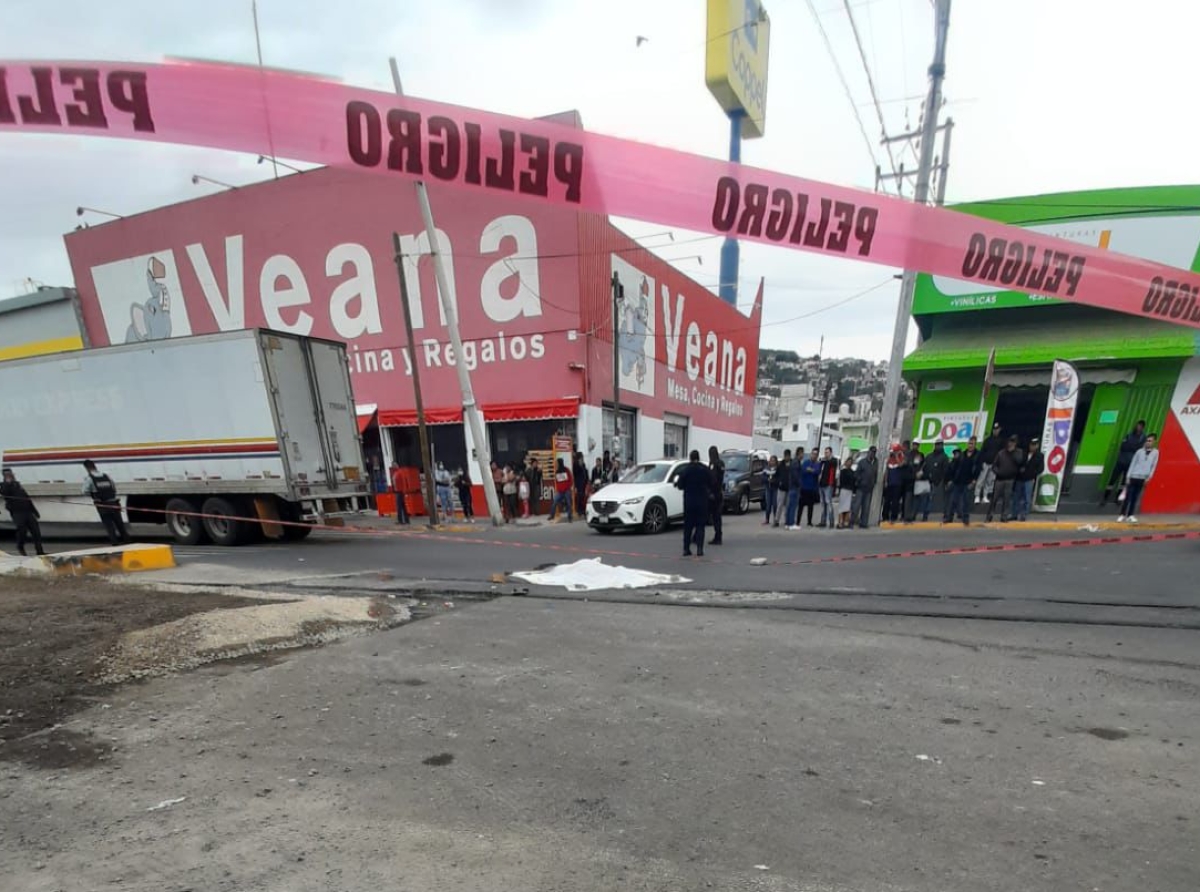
1056,434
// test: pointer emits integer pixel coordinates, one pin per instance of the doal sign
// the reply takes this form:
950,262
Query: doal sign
321,121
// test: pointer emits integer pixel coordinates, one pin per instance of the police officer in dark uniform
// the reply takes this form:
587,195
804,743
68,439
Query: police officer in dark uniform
716,469
23,512
696,482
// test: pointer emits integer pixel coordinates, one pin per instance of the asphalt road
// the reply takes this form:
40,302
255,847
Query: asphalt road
546,745
1036,576
836,720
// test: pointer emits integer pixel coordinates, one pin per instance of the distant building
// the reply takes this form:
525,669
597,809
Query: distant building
1130,368
45,321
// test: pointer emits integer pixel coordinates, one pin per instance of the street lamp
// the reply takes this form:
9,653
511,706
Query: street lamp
263,158
197,180
80,211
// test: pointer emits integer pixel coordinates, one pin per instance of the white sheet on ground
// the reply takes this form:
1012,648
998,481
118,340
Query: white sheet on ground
591,574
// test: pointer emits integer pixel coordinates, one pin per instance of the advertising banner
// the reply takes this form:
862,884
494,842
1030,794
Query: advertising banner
735,60
949,427
1175,486
1056,434
1170,239
238,108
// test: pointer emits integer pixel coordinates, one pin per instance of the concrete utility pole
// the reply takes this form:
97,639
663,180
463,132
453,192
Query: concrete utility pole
891,391
431,504
471,415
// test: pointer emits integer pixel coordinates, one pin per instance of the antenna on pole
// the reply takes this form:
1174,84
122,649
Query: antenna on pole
258,48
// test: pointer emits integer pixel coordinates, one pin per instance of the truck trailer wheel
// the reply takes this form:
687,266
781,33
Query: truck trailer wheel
220,522
184,526
296,534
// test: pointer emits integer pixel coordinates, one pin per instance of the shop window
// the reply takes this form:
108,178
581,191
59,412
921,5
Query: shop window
627,448
511,441
674,440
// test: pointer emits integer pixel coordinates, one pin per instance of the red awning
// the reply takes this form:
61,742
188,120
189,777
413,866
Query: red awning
365,420
539,410
408,417
568,407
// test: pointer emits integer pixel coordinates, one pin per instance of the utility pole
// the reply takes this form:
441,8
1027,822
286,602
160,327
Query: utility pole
483,451
824,388
422,430
618,297
891,391
940,168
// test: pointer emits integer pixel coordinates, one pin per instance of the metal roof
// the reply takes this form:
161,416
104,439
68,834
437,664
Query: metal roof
44,295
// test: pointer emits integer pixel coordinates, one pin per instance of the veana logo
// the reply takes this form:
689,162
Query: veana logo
635,328
141,299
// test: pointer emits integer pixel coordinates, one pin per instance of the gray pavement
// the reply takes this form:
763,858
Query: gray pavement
546,745
1119,581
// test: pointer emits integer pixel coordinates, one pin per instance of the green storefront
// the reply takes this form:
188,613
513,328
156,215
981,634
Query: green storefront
1129,366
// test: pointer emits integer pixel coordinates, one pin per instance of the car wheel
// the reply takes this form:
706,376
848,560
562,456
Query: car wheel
654,521
743,502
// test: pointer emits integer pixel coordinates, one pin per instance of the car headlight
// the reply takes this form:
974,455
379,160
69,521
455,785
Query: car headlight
636,500
730,485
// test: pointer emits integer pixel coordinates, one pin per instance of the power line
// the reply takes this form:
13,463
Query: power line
862,55
845,86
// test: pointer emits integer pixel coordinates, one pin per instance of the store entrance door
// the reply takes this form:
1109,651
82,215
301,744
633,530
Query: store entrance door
1022,411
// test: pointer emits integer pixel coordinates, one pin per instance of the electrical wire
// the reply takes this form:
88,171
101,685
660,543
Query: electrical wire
862,55
845,86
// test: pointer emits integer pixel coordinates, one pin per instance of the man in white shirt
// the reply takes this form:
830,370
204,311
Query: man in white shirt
1141,469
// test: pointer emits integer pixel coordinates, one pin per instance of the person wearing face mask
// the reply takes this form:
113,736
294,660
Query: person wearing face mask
770,490
445,502
1141,469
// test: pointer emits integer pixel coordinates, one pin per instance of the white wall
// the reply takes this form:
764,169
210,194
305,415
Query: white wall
700,438
650,437
590,431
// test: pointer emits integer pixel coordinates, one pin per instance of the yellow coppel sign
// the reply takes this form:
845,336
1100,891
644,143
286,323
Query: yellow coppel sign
735,61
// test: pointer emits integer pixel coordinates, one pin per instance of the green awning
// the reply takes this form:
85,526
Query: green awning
1031,341
856,444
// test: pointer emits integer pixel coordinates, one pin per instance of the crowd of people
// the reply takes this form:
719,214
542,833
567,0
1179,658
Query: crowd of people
518,487
1000,477
997,478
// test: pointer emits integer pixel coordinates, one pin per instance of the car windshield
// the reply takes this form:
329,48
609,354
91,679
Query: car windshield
646,474
736,463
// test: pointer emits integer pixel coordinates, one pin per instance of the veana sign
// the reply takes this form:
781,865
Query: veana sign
949,427
1056,434
735,60
247,109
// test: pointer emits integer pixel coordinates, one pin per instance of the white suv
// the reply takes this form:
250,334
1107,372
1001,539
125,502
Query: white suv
646,498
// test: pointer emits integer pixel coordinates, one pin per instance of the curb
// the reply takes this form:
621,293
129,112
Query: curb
1052,525
120,559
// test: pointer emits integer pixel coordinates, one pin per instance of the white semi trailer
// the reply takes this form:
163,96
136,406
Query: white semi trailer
199,433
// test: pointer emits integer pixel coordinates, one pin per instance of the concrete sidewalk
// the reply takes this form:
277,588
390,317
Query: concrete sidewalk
1082,522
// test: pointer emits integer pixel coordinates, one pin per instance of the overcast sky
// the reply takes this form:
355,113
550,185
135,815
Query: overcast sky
1046,96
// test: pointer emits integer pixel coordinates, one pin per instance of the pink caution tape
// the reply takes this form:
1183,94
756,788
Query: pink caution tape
324,122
